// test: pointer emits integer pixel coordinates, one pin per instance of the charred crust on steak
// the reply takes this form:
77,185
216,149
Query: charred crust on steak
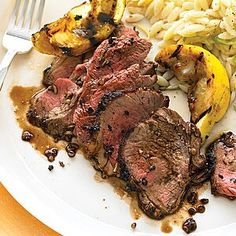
93,128
149,207
108,150
223,173
171,122
124,172
108,97
32,117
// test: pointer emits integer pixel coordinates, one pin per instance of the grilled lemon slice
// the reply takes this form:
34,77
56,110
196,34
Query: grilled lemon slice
209,92
80,29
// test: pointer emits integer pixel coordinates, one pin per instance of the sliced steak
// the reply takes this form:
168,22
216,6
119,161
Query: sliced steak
60,68
120,115
122,30
79,74
117,64
52,109
223,152
156,159
124,81
112,56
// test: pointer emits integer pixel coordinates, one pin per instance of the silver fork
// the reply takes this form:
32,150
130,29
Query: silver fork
17,38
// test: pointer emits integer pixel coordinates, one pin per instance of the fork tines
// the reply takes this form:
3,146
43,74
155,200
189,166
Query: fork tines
26,17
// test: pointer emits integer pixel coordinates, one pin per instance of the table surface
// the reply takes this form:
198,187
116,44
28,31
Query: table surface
14,219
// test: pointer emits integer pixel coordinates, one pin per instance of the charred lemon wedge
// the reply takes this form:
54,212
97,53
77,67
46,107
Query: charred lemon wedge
80,29
209,92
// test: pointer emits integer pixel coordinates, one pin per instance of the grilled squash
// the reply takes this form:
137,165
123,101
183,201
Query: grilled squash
209,92
80,29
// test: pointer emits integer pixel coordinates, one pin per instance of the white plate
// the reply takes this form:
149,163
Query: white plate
69,199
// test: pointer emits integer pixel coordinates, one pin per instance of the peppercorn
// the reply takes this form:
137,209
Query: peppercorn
152,167
204,201
189,226
133,225
50,167
71,149
144,181
51,153
201,209
192,211
27,136
192,198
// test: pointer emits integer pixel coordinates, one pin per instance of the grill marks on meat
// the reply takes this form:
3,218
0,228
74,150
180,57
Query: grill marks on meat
158,159
120,115
223,153
52,108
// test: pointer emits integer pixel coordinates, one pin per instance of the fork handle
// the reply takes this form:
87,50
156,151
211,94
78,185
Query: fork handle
6,61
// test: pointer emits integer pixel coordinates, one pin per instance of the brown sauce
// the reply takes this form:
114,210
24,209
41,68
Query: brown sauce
176,219
135,211
20,97
166,227
119,188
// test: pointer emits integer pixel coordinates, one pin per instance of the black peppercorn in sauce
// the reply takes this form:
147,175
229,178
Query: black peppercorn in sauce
192,211
201,209
204,201
20,97
27,136
189,226
51,154
71,149
192,198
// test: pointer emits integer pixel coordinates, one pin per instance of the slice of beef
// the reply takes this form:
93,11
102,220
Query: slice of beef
112,56
79,74
117,64
120,115
52,109
123,81
60,68
65,67
122,30
156,160
223,152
